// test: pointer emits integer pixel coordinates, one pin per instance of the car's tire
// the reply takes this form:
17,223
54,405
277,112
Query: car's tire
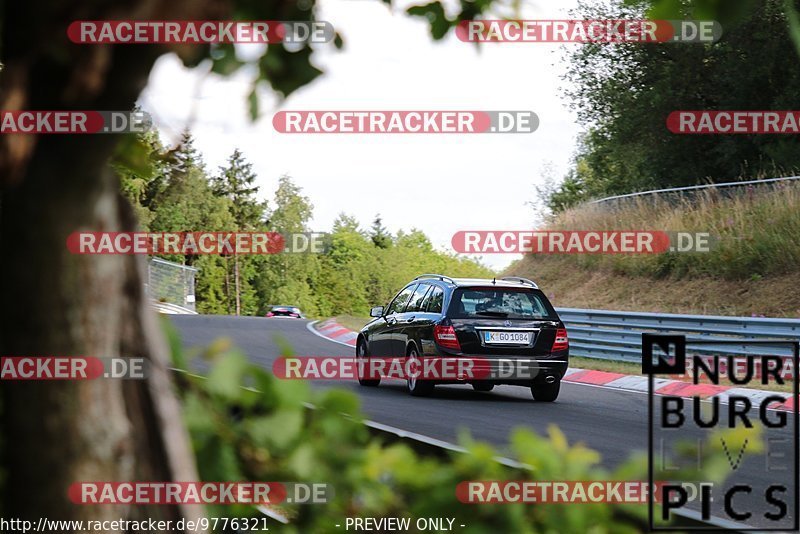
546,392
416,387
362,353
483,386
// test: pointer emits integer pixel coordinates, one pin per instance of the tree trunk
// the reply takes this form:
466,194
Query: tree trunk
56,433
228,285
56,303
236,278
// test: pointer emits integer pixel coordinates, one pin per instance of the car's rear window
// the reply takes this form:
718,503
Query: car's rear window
507,303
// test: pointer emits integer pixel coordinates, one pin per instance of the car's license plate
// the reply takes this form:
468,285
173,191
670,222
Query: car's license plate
516,338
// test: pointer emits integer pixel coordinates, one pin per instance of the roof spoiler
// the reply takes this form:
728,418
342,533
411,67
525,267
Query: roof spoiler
524,281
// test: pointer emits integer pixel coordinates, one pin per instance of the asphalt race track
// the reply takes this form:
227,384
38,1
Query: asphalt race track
610,421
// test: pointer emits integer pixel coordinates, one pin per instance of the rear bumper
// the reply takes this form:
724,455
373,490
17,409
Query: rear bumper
513,370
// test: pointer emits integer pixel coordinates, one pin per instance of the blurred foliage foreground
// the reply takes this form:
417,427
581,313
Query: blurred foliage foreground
246,425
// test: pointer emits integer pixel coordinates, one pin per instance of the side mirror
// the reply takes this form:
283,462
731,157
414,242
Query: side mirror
377,311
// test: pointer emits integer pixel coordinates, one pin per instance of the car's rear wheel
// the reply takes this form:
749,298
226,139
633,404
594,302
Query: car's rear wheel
482,386
416,386
362,361
546,392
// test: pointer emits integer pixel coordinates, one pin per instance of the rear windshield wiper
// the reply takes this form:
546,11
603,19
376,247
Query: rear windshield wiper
492,313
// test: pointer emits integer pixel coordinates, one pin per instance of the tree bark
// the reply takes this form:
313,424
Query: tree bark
228,285
236,279
56,433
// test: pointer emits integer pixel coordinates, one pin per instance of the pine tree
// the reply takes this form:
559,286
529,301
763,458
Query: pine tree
236,182
183,159
381,237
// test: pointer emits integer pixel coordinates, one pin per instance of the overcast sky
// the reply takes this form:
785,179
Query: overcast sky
439,183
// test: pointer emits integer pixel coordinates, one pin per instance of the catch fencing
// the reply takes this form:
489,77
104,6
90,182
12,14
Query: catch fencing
677,193
170,283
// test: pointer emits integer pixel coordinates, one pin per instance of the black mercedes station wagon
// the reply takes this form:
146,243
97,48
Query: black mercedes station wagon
505,324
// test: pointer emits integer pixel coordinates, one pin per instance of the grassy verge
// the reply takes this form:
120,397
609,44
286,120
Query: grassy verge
757,232
750,271
596,364
352,322
568,285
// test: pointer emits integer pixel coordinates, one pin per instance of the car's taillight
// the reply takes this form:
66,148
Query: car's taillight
269,314
446,337
561,342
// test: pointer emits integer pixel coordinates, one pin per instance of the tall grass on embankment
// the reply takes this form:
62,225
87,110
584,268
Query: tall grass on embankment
752,269
757,232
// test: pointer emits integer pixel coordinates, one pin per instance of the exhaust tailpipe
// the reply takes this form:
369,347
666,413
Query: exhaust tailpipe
550,379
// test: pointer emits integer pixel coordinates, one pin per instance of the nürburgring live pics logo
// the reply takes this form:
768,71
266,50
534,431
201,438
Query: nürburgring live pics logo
760,489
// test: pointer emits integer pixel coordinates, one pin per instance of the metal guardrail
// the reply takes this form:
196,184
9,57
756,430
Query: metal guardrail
617,335
171,309
696,188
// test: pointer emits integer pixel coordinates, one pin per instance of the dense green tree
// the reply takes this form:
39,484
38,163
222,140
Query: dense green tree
623,94
171,192
184,200
236,182
292,209
344,276
414,239
141,169
287,278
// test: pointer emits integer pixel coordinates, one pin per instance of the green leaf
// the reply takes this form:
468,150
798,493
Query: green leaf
133,155
280,429
174,341
195,413
303,461
435,14
225,378
291,392
287,71
340,401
